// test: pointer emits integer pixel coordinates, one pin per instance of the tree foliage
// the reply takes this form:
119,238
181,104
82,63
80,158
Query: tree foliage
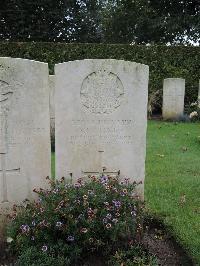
49,20
101,21
153,21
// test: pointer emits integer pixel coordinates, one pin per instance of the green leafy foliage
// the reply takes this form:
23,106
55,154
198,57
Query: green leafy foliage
132,257
153,21
50,20
164,62
69,222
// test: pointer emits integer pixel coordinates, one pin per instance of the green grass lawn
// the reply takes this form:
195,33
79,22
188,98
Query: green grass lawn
172,171
172,184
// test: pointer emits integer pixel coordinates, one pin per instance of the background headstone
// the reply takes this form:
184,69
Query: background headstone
173,98
52,108
24,129
101,118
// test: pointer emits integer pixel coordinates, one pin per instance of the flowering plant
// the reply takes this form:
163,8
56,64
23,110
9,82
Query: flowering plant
74,220
194,111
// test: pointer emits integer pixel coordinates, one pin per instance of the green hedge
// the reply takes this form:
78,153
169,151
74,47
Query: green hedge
164,61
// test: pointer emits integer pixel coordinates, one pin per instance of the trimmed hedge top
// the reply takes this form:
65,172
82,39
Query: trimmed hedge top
164,61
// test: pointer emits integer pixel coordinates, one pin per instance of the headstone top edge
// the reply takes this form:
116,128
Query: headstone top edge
102,60
171,79
22,60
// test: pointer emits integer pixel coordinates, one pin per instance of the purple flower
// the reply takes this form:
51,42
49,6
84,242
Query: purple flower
114,220
56,190
117,203
126,180
59,224
105,220
104,179
33,223
25,228
109,216
70,238
68,185
44,248
133,213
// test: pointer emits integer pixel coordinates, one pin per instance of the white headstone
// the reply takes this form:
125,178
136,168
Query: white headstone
24,129
101,118
173,98
52,104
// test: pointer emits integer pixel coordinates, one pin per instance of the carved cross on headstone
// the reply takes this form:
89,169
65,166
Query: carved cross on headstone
5,102
4,172
102,169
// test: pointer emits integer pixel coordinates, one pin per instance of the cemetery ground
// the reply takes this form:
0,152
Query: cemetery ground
172,184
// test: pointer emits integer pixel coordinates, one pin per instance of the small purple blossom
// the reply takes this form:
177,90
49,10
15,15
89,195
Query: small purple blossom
105,220
126,180
109,216
104,179
77,185
44,248
133,213
77,201
114,220
117,203
25,228
70,238
59,224
56,190
68,185
33,223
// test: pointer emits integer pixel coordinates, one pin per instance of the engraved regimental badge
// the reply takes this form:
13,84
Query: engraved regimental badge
102,92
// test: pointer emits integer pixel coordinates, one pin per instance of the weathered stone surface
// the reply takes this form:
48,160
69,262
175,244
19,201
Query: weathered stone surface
101,117
173,98
52,104
24,129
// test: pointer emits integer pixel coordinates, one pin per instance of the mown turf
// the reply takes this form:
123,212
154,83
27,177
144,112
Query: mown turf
172,184
172,187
